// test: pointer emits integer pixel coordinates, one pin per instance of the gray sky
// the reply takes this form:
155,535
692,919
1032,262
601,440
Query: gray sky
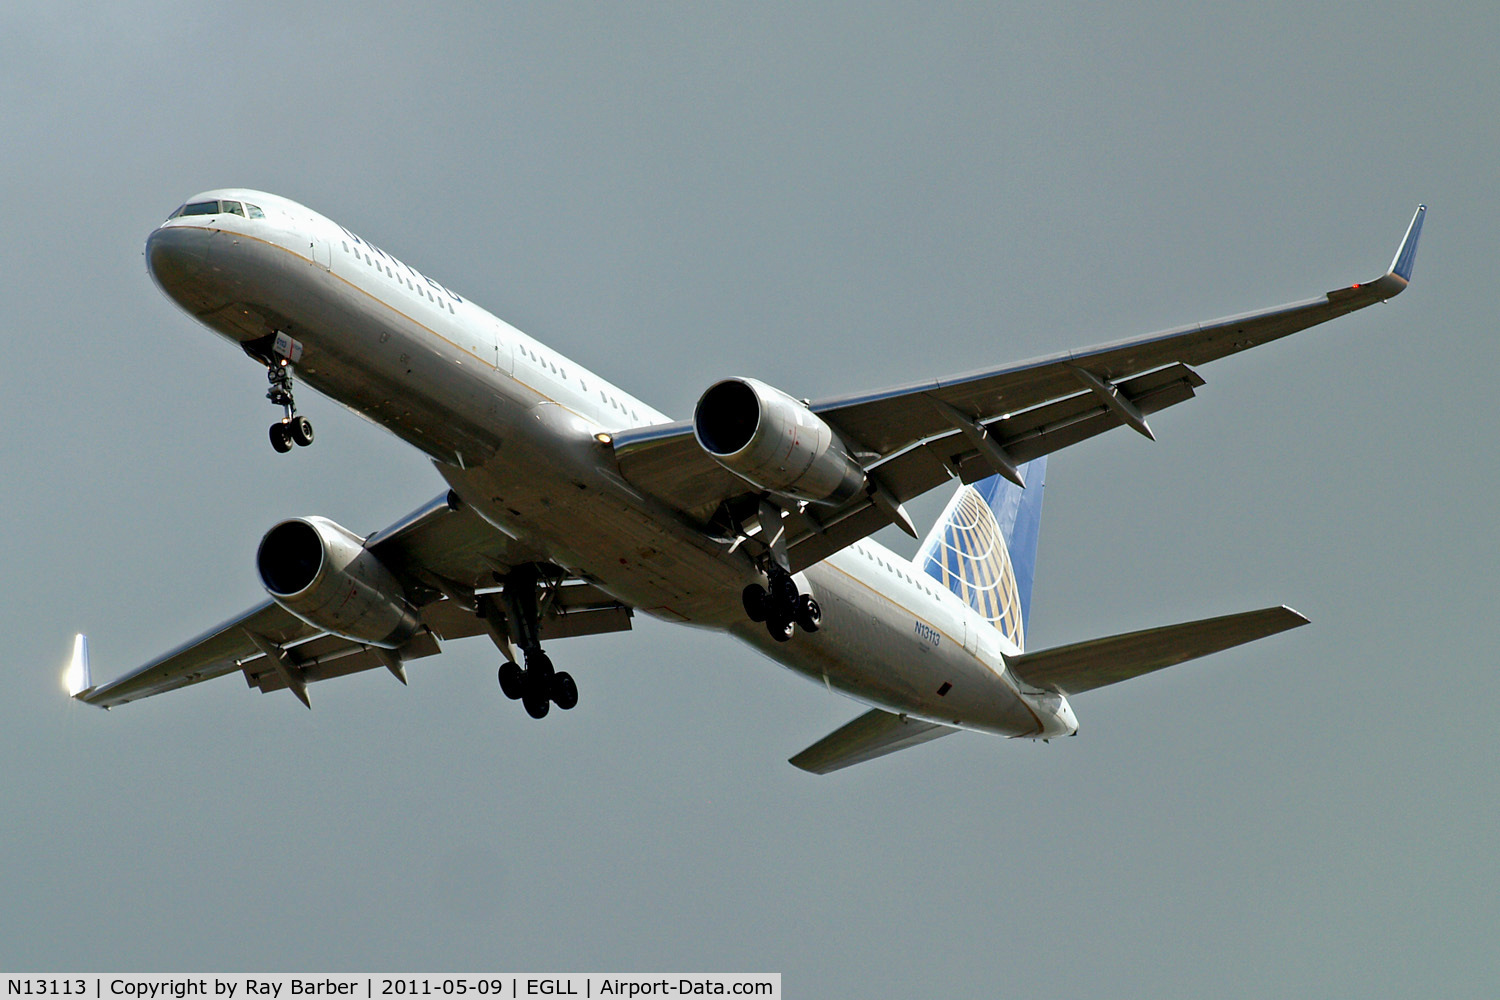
830,201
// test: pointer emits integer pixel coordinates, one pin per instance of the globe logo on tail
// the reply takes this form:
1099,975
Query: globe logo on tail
970,559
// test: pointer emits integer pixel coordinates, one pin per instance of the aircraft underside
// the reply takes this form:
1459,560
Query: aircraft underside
571,504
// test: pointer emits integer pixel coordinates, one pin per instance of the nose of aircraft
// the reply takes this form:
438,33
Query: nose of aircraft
179,259
174,253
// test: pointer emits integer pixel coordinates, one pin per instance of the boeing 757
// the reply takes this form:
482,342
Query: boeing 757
571,504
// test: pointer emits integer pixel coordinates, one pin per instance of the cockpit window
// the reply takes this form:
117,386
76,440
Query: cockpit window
219,207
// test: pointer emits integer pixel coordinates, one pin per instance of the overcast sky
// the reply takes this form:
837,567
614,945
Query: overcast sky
830,201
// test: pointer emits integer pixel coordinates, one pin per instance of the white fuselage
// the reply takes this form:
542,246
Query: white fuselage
512,426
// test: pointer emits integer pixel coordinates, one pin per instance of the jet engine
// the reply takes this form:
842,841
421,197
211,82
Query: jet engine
775,442
322,573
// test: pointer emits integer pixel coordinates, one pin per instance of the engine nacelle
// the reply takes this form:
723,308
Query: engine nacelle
322,573
765,436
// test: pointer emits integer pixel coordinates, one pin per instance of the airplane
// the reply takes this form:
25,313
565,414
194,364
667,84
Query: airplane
571,504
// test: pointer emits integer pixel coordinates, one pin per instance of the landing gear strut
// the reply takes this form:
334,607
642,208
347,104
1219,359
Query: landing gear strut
781,606
291,428
537,686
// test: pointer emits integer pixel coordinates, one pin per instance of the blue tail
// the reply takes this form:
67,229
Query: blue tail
983,548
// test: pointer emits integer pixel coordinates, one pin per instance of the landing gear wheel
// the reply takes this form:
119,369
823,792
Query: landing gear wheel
512,680
783,592
564,691
537,705
809,614
301,431
754,598
281,437
781,629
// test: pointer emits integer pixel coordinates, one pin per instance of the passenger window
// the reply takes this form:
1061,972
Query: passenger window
233,208
255,213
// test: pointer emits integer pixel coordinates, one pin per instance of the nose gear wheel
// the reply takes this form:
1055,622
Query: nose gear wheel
290,429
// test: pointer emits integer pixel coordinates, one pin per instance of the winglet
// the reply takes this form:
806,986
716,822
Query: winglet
1394,281
80,681
1406,256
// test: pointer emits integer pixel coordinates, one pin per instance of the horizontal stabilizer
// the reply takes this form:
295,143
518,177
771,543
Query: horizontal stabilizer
1084,666
874,734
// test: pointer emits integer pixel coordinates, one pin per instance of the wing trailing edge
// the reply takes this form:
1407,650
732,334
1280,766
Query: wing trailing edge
1096,663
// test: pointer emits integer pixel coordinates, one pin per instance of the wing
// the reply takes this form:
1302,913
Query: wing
914,437
447,557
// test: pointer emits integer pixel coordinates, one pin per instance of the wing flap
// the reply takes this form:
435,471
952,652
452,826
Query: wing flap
338,658
874,734
1024,436
576,609
1096,663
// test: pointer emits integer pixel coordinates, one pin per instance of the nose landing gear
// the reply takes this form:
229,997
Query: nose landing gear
290,429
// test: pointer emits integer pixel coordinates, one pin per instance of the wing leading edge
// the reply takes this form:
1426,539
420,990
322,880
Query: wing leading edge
914,437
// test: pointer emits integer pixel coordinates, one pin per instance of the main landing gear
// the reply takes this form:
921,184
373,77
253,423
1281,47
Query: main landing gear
290,429
780,606
537,686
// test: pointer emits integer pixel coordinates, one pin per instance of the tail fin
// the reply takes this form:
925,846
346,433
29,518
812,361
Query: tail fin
983,548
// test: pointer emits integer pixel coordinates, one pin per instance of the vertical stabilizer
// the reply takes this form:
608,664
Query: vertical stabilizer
983,547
